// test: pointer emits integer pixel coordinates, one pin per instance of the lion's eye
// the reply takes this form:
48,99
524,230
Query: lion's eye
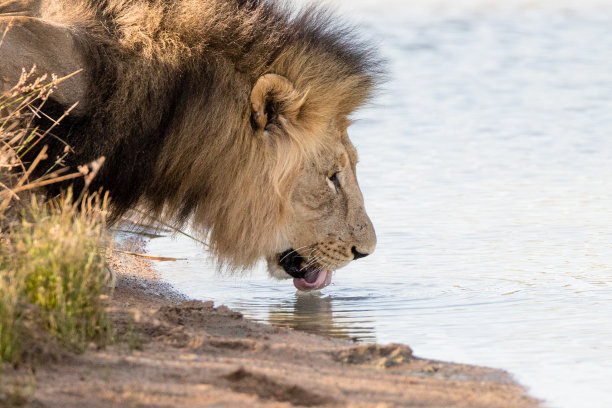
334,179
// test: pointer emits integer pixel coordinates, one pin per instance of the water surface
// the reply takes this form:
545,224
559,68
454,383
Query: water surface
486,166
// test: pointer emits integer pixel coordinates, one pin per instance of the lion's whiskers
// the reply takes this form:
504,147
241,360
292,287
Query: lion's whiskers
294,251
313,259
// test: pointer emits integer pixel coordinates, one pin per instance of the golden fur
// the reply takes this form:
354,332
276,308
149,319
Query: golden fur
213,111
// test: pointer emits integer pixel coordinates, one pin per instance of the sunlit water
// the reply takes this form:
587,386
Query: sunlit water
486,166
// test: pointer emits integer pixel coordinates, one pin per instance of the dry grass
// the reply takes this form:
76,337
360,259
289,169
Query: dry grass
52,261
54,274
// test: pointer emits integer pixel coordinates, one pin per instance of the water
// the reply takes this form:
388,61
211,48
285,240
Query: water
486,166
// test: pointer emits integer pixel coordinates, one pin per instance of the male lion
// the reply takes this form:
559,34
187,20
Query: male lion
229,114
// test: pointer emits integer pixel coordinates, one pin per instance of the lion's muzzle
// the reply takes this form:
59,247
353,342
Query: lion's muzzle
306,275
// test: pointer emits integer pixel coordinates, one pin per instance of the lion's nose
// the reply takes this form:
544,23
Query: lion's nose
357,254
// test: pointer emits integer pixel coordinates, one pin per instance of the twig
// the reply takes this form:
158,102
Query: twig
6,30
172,228
152,257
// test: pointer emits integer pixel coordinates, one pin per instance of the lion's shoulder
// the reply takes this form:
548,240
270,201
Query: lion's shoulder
30,8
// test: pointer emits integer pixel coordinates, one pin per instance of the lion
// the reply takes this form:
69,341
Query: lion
227,115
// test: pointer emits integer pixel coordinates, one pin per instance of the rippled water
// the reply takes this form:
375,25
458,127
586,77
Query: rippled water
486,165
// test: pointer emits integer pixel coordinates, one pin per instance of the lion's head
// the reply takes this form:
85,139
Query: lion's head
326,226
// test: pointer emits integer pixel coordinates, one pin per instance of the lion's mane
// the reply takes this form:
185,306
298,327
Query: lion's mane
168,106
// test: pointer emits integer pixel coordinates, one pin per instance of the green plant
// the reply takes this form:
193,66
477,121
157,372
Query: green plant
52,263
55,259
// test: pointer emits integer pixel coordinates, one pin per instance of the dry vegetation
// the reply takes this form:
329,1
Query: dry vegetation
54,293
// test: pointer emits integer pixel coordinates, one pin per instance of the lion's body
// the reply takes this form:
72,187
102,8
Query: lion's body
165,96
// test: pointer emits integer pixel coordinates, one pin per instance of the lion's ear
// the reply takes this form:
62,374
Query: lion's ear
274,96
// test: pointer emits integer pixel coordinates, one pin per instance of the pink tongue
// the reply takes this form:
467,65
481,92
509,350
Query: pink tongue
317,280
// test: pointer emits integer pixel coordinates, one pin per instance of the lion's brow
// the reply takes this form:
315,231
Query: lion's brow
352,153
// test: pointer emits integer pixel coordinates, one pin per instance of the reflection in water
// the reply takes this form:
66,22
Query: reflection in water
313,313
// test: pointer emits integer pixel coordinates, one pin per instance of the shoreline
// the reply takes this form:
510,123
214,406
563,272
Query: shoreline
170,351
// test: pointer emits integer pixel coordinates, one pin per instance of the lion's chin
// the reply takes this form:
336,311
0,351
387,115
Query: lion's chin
322,279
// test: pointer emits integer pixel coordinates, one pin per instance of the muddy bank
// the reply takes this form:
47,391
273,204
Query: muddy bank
175,352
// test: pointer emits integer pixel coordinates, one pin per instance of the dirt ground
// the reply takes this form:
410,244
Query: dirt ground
174,352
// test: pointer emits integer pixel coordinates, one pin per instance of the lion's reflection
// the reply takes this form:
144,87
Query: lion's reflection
314,313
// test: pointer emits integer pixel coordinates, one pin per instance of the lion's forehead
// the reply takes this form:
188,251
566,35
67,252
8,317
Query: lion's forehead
336,155
350,149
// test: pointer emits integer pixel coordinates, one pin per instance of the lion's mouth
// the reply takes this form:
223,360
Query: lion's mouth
305,276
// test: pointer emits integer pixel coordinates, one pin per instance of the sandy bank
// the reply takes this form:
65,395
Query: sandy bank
174,352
